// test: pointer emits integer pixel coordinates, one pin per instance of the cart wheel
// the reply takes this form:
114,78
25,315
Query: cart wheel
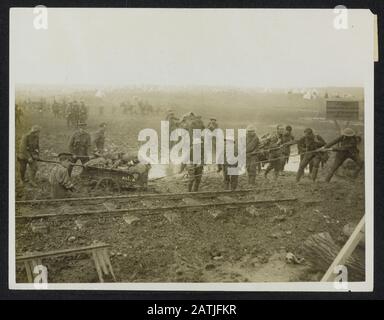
108,184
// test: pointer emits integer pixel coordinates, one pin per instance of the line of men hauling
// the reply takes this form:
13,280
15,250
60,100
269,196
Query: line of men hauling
272,149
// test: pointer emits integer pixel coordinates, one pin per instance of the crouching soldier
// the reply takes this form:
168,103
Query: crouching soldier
347,149
29,154
195,170
61,184
308,144
230,180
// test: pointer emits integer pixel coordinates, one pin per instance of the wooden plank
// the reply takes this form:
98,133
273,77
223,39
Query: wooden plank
346,251
55,253
109,264
97,265
28,271
102,262
155,209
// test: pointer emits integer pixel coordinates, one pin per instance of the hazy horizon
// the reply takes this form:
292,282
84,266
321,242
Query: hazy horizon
190,47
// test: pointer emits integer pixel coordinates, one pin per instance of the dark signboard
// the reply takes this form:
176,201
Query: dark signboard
342,110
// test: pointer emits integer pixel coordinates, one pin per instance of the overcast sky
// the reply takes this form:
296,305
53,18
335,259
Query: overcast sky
261,48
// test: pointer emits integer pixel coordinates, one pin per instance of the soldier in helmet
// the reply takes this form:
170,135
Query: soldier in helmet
29,154
83,112
99,138
170,114
309,143
274,156
18,115
212,125
79,144
69,114
275,152
252,144
287,137
347,149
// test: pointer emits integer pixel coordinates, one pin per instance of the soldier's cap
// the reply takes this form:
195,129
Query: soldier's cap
348,132
35,128
308,130
251,128
82,124
214,119
288,128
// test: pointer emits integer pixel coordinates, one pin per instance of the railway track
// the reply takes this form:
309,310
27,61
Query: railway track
146,204
142,196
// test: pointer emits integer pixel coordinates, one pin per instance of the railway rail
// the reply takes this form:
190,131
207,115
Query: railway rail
149,204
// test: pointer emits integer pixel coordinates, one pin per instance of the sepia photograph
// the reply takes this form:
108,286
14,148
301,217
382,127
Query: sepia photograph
191,149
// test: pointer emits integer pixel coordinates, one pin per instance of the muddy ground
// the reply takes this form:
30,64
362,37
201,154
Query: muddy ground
221,245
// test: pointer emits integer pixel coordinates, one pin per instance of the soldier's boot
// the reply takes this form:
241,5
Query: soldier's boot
32,173
360,165
314,173
269,168
234,182
276,174
196,186
23,170
299,174
258,168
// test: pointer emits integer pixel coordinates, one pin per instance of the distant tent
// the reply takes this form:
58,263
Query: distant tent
311,94
99,94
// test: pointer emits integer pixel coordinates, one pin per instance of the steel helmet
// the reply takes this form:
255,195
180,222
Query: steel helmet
348,132
35,128
251,128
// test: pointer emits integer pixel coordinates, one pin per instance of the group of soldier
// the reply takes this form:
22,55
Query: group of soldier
79,148
75,112
272,150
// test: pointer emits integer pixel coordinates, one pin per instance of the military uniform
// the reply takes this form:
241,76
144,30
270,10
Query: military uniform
252,144
195,171
99,140
28,155
79,145
307,144
274,155
286,149
60,182
347,149
83,112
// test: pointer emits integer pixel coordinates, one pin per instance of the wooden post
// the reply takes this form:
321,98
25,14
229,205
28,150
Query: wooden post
346,251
